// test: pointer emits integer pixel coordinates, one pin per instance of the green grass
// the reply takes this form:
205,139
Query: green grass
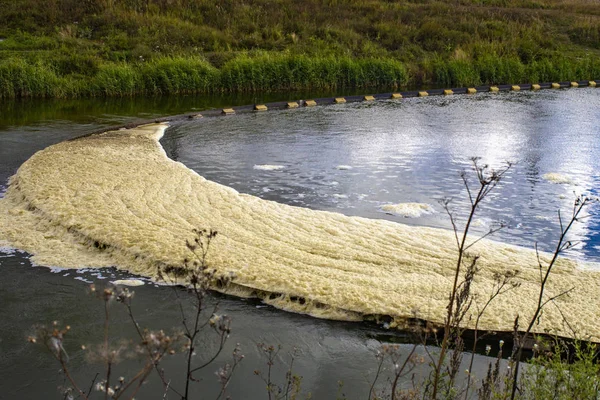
69,48
177,75
563,372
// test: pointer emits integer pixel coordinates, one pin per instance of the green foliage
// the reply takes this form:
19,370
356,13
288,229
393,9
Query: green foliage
550,376
267,45
287,72
23,41
115,80
21,79
178,75
456,73
172,75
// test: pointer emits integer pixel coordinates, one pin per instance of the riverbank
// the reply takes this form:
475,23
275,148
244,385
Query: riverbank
64,50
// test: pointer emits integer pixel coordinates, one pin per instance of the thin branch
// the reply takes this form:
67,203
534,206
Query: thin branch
214,357
557,296
565,319
490,232
377,374
89,392
68,375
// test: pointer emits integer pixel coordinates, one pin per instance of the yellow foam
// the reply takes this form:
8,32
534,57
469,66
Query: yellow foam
116,199
408,210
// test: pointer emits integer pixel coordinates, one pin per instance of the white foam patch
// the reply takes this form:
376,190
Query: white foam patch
7,250
115,199
408,210
479,222
269,167
557,178
128,282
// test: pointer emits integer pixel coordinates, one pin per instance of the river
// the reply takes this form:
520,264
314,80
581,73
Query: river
354,159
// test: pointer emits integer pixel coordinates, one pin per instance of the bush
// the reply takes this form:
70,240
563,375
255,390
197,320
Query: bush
298,72
21,79
178,75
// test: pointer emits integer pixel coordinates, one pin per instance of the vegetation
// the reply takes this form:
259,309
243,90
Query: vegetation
70,48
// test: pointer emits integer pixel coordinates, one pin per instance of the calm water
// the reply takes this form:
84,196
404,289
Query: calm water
408,151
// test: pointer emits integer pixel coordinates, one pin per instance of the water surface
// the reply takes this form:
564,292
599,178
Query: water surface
408,151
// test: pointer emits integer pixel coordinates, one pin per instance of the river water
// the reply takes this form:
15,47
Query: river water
355,159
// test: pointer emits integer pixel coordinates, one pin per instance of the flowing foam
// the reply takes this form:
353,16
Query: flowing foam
117,199
408,210
268,167
555,177
128,282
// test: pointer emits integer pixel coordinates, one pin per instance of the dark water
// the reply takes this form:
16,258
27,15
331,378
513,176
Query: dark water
409,151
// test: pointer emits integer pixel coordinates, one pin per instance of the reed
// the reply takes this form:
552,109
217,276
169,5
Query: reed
138,47
176,75
21,79
272,72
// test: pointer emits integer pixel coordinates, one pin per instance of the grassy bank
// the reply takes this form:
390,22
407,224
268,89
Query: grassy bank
68,48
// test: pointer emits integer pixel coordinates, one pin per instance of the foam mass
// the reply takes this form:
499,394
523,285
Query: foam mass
555,177
408,210
117,199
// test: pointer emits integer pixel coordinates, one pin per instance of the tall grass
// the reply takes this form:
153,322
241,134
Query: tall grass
21,79
178,75
277,72
496,70
174,75
299,72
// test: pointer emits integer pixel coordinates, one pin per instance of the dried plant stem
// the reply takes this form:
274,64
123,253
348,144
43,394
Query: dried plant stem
455,312
561,246
106,350
65,370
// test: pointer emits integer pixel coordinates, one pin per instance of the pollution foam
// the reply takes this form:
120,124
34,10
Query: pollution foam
555,177
116,199
408,210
